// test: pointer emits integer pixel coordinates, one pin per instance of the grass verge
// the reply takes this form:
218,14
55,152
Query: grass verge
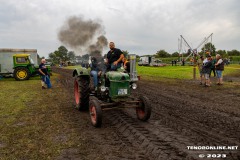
33,121
178,72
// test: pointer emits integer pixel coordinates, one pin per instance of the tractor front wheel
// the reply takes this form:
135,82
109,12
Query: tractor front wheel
95,112
144,109
81,92
21,73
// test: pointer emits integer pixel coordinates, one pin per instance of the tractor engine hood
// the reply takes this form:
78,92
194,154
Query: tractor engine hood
117,76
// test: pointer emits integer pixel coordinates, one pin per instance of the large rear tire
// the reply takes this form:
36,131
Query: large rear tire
21,73
81,92
95,112
144,109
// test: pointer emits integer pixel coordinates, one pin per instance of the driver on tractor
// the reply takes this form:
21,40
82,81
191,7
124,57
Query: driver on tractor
114,57
97,68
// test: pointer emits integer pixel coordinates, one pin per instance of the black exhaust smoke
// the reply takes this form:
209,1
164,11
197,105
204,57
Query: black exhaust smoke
79,34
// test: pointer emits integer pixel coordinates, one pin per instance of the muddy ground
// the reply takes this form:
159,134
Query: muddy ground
183,114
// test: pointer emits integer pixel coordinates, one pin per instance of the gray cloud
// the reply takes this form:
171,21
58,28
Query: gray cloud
139,26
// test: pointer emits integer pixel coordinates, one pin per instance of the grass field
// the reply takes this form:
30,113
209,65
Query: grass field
234,59
30,117
178,72
174,72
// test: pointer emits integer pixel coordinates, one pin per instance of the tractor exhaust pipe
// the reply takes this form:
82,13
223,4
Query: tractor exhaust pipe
133,72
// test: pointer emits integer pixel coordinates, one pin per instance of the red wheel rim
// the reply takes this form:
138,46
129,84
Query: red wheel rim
93,114
76,92
140,110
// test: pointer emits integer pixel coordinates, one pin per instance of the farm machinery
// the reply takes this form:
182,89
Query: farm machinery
113,92
19,63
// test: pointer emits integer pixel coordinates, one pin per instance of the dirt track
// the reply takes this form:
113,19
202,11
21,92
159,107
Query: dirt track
184,114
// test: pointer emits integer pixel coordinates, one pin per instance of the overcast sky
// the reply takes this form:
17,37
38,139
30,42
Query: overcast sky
138,26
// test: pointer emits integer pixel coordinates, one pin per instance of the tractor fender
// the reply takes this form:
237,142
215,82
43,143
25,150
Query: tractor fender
81,71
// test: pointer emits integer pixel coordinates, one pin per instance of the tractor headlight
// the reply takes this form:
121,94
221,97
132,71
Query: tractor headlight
103,88
134,86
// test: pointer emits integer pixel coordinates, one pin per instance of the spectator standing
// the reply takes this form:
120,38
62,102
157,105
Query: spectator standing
206,70
225,61
213,67
183,62
200,66
219,69
44,75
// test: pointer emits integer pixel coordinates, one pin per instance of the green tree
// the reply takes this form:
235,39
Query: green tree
233,52
125,53
71,55
175,54
162,54
223,53
209,47
85,57
53,58
63,53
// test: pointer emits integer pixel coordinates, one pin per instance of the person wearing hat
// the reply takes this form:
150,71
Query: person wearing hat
200,66
207,69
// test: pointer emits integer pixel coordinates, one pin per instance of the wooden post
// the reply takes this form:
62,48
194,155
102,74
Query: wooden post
194,66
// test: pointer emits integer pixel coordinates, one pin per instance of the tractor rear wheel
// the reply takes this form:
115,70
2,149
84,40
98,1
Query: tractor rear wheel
144,109
21,73
81,92
95,112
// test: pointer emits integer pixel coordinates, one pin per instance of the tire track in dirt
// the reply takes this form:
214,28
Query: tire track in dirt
180,135
120,140
176,122
118,146
145,139
195,113
193,122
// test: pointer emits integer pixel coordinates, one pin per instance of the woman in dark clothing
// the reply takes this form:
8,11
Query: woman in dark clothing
207,69
219,69
213,67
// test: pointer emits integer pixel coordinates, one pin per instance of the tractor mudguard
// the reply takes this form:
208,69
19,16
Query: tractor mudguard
81,72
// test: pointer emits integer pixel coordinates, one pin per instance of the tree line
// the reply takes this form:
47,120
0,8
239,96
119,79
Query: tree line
207,48
63,55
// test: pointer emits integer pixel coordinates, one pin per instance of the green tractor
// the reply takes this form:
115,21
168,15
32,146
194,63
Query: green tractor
24,68
113,91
